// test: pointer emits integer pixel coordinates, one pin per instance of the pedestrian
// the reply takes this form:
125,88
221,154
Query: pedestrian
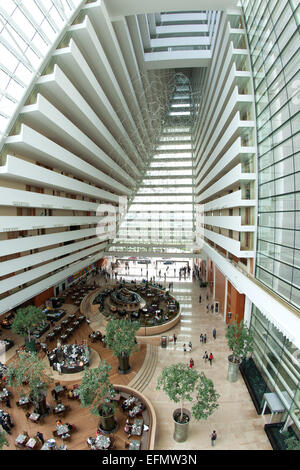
190,345
210,358
204,338
200,298
191,364
213,438
207,307
214,333
207,296
40,436
205,356
175,338
184,348
201,338
212,308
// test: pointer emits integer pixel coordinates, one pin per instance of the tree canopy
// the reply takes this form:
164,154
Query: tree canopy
240,340
27,319
180,383
29,371
121,336
95,389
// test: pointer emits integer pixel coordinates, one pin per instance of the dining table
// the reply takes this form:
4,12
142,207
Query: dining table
137,427
62,429
34,417
134,444
102,442
22,439
31,443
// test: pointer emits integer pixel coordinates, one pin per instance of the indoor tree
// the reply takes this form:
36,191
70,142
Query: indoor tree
26,321
29,372
96,393
240,341
121,338
181,384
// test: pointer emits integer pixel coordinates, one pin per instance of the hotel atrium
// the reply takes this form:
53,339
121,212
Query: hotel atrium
143,132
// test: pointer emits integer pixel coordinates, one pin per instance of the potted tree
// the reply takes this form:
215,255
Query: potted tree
181,384
29,372
120,337
240,341
3,440
96,393
26,321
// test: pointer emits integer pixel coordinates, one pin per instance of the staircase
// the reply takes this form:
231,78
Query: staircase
145,374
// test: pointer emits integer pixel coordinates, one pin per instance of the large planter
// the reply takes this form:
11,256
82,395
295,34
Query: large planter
233,369
108,424
124,366
181,429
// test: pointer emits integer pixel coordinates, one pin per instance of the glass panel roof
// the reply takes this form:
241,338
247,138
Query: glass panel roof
28,28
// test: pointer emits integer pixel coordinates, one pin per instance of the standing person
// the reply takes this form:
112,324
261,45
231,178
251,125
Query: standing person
200,298
204,338
206,296
214,333
207,307
205,356
184,348
201,338
174,338
190,345
210,358
191,364
40,436
213,438
212,308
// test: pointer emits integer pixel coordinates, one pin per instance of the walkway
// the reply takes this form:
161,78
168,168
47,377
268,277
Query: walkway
236,422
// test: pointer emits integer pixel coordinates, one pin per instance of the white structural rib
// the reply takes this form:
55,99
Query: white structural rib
32,144
17,169
46,118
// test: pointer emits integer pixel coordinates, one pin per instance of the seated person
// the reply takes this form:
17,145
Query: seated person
70,427
127,427
70,394
59,422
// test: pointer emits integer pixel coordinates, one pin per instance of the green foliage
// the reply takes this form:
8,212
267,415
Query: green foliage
291,442
206,399
120,336
240,340
3,440
28,369
96,390
27,320
179,382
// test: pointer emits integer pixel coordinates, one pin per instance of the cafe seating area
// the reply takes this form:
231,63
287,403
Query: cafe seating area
145,301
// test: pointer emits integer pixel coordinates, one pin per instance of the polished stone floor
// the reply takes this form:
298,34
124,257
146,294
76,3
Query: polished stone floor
236,422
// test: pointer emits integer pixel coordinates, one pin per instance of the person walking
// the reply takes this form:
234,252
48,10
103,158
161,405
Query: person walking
40,436
212,308
210,358
205,356
214,333
213,438
207,307
204,338
200,298
191,364
201,338
207,296
190,345
174,338
184,348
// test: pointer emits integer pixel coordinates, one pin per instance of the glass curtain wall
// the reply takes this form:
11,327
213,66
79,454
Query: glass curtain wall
161,214
273,33
278,360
